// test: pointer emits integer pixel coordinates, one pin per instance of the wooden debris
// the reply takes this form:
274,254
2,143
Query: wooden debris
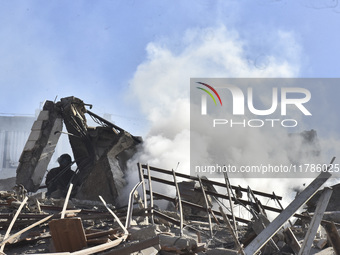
275,225
239,246
68,234
291,240
313,227
227,183
94,231
151,195
130,206
178,194
141,176
12,237
207,205
333,236
115,216
66,201
13,221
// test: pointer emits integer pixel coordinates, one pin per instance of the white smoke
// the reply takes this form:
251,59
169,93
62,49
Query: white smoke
161,86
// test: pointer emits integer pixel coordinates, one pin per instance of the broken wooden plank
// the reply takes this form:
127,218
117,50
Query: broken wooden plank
230,202
333,236
239,246
151,196
68,234
12,237
130,206
313,227
101,247
66,201
96,241
101,234
206,204
291,240
115,216
12,222
276,224
279,203
92,250
179,203
141,176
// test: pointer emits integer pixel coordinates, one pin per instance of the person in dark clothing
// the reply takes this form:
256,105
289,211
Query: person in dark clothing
58,178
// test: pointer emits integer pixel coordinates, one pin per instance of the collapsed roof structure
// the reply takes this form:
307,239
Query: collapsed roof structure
100,152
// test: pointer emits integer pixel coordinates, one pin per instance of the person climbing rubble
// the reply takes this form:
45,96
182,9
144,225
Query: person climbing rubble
58,178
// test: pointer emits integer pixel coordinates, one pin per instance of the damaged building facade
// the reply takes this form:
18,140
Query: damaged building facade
100,152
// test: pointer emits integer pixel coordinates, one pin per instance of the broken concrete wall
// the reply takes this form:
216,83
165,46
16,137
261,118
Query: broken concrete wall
73,113
39,147
106,177
96,151
100,152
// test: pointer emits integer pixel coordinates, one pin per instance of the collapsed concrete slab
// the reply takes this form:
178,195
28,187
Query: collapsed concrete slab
100,152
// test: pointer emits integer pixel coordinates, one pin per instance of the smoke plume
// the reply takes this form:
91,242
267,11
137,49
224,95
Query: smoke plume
161,86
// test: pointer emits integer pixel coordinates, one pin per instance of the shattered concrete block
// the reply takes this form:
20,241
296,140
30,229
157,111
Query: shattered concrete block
321,243
37,125
29,145
35,135
43,115
39,148
143,233
177,243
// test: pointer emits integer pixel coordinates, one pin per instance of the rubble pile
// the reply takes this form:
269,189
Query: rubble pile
34,224
100,152
81,215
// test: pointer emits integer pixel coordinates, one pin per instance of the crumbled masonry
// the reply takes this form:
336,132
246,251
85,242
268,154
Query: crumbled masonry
202,216
140,227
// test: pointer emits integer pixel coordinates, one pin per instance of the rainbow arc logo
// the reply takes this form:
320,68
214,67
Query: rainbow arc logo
209,93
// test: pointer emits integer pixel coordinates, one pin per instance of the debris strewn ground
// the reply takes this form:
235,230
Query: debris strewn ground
140,227
201,216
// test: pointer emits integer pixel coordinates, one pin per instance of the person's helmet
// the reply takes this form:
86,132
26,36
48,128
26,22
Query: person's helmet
64,160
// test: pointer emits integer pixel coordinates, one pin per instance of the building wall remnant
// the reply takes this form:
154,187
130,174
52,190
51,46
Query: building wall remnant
39,147
100,152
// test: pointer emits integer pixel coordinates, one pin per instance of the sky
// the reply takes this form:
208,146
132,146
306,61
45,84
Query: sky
92,49
134,59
